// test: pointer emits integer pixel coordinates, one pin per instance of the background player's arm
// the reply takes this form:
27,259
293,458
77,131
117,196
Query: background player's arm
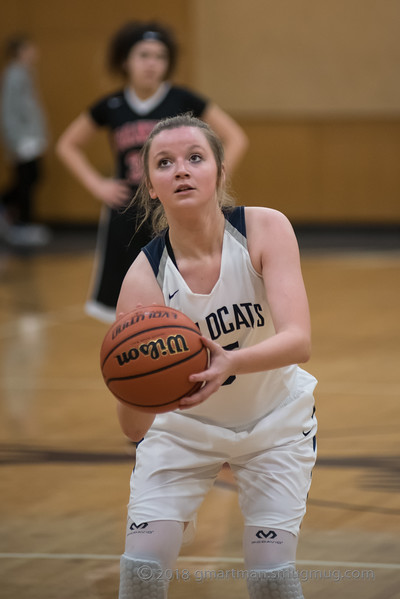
139,288
233,137
70,150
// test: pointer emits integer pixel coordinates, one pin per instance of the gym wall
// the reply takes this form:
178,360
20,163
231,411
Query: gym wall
314,84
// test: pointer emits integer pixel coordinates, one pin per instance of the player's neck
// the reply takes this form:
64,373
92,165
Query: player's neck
143,93
201,237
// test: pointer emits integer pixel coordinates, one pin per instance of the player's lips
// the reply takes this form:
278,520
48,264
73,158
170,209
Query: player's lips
181,188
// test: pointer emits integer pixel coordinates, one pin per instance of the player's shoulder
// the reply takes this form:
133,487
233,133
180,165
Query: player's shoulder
180,90
269,233
186,93
146,292
112,100
261,217
142,266
154,251
256,220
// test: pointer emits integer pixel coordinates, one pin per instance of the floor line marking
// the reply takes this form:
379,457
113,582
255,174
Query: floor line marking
199,559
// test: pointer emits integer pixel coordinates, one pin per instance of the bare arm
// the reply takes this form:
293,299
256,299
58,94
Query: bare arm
70,150
232,135
274,253
139,288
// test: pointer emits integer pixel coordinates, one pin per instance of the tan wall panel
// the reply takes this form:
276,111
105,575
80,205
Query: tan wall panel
323,171
307,57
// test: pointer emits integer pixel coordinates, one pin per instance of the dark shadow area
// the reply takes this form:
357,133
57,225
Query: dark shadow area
76,238
344,238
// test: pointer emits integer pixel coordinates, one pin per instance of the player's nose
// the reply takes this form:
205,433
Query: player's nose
181,169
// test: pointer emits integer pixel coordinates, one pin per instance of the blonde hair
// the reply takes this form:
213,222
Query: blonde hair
152,209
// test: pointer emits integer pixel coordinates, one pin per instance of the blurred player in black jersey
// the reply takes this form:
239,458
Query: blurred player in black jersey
144,54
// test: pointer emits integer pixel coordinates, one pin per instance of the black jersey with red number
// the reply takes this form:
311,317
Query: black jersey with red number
129,130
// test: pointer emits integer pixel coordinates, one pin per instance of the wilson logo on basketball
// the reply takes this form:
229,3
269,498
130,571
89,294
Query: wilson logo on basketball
173,344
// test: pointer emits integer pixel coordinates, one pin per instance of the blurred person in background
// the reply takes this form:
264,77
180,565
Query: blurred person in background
25,139
144,55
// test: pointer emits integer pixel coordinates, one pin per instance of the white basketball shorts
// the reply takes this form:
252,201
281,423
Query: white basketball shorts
272,460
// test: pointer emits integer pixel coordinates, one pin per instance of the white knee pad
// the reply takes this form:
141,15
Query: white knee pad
280,583
141,579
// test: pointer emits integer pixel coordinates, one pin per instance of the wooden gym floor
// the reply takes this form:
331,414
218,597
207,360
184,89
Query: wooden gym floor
65,465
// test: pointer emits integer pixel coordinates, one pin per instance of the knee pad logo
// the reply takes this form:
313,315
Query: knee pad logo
141,526
266,535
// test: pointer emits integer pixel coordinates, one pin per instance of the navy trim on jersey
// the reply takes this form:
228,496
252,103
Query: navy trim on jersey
236,224
169,249
236,217
154,251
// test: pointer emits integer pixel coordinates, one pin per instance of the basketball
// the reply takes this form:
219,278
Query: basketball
147,356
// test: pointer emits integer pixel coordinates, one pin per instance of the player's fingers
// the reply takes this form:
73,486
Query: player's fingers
199,376
211,345
200,396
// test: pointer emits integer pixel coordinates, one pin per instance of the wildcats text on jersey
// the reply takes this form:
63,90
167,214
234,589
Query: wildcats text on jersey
227,319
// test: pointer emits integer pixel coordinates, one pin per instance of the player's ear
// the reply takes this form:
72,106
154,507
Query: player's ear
222,177
152,193
223,174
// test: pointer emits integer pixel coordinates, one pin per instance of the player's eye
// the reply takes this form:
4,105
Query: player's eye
162,56
163,162
196,158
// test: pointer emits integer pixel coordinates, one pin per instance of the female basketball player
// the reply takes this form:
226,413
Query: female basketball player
236,273
144,54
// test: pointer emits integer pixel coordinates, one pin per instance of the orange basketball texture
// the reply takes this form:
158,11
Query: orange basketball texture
147,356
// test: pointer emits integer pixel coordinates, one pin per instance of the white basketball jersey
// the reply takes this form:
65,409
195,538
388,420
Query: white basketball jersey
235,314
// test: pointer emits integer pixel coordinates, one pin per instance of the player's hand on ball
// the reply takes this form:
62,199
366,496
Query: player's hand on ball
219,369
